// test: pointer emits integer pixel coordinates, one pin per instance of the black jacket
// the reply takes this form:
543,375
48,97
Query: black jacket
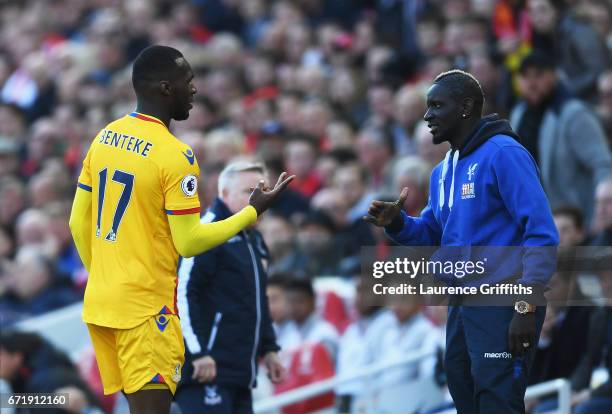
568,344
597,351
223,305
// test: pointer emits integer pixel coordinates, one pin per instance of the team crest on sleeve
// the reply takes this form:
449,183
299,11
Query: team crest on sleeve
189,185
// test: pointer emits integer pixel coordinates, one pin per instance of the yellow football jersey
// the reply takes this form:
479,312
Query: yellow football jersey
138,173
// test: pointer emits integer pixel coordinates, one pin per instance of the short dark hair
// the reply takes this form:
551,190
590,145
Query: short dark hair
155,63
318,218
25,342
301,286
279,280
462,85
537,59
572,212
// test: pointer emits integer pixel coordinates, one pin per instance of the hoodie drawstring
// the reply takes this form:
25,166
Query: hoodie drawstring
455,154
452,189
442,178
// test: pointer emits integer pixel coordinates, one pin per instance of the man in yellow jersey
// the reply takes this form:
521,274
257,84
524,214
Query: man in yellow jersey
136,209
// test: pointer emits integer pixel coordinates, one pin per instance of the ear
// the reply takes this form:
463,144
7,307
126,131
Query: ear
165,87
467,107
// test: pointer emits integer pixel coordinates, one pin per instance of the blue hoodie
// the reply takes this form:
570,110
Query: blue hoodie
487,193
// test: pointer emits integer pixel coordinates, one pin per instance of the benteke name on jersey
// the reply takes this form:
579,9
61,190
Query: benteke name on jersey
125,142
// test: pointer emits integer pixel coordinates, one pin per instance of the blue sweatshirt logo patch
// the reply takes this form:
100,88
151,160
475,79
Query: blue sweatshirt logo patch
472,171
467,191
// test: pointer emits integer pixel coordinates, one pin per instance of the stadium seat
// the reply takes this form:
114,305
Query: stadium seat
334,311
309,364
89,371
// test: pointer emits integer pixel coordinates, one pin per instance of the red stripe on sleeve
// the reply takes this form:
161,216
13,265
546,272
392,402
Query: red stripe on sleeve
183,212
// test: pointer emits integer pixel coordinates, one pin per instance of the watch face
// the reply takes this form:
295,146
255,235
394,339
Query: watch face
521,306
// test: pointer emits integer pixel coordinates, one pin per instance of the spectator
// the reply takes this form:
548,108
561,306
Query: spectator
580,53
68,262
340,135
330,161
291,203
603,215
314,117
312,328
280,237
351,180
592,393
344,92
300,158
287,335
9,159
604,109
375,150
13,124
559,351
380,102
410,331
599,399
12,201
412,172
32,288
495,82
360,344
31,364
350,235
222,145
317,255
570,225
561,134
408,110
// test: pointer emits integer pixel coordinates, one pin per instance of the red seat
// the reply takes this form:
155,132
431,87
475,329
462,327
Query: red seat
309,364
88,366
334,311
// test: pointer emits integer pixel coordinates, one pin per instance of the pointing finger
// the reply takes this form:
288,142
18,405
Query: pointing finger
402,197
280,178
281,186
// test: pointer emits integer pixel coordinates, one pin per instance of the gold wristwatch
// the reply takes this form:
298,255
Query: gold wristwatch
523,307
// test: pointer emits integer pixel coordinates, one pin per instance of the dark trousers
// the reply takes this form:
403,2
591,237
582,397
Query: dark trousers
214,399
482,376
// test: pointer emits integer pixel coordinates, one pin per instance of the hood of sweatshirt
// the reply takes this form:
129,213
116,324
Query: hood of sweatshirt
488,127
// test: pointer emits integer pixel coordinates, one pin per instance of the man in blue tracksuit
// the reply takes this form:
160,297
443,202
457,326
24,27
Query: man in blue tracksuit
486,192
224,310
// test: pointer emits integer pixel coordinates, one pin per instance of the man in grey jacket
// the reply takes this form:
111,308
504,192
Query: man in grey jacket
562,134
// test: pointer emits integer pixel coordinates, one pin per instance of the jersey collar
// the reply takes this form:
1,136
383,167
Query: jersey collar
147,118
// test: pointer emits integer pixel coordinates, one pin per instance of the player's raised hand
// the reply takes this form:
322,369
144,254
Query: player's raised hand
262,198
382,213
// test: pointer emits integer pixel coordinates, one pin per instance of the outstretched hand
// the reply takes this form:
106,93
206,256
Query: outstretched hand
382,213
262,197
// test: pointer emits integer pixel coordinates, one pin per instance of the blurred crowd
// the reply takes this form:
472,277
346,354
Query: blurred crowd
332,91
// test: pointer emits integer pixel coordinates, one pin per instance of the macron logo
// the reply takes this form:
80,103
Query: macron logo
498,355
189,155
